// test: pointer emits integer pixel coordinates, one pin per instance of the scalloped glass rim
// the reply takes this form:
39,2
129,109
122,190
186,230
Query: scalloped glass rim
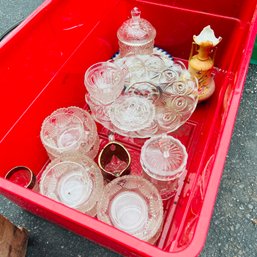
90,131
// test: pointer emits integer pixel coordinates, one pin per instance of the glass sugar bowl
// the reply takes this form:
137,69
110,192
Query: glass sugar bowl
104,81
163,159
132,204
77,183
136,35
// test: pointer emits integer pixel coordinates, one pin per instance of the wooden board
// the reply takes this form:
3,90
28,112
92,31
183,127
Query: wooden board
13,239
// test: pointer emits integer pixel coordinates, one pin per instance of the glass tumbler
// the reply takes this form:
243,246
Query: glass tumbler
104,81
163,159
70,131
77,183
132,204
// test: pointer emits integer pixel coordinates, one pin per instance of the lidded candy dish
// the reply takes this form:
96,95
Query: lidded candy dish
136,35
164,159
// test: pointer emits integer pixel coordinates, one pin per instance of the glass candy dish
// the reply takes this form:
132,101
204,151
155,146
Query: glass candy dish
132,204
136,35
70,131
75,182
165,83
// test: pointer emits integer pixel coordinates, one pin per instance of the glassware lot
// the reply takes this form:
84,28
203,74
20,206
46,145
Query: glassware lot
211,104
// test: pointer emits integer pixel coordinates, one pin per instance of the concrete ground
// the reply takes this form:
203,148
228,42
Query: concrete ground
232,231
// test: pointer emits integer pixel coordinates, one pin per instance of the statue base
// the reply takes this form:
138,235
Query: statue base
206,91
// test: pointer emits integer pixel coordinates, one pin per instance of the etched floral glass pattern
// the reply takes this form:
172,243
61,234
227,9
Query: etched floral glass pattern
70,131
132,204
75,182
165,83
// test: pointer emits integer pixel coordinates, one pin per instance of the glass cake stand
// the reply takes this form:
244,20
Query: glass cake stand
159,96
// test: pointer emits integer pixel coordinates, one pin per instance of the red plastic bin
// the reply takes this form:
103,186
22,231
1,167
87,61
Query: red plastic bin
42,68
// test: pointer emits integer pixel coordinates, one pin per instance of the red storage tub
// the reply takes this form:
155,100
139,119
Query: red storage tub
42,68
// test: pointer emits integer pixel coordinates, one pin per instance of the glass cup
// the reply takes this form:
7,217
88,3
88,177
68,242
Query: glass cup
164,160
77,183
70,131
104,81
132,204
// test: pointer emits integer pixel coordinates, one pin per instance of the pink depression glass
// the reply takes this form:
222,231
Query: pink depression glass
164,160
77,183
132,204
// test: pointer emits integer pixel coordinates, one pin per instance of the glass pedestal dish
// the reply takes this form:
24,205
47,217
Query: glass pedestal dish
159,96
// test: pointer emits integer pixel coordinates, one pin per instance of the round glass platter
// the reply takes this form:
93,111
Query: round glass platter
159,96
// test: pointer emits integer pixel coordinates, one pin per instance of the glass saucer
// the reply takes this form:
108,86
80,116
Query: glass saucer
132,204
145,89
132,113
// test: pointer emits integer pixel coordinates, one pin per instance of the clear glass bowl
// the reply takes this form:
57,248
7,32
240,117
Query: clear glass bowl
70,131
132,204
75,182
104,81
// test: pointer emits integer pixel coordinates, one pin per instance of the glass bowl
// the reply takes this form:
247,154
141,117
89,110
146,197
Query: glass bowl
75,182
132,204
70,131
104,81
